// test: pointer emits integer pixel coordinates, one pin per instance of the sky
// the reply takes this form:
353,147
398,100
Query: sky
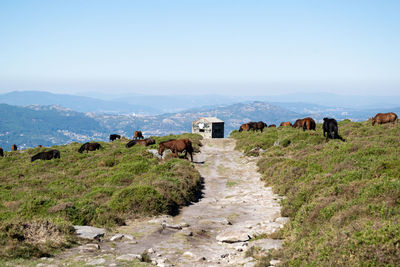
224,47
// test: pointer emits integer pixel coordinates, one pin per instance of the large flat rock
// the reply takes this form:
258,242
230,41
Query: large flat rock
89,232
233,236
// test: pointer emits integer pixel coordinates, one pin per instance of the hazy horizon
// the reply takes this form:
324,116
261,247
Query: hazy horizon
238,48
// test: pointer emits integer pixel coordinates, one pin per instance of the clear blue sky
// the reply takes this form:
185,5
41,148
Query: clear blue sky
227,47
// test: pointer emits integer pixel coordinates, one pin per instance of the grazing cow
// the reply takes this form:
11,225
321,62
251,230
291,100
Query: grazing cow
145,142
272,126
244,127
114,137
330,129
52,154
260,126
298,123
308,124
89,147
287,123
177,146
14,147
382,118
138,135
1,152
39,146
255,126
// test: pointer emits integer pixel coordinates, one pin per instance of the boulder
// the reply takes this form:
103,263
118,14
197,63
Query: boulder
129,257
89,232
96,262
233,236
89,247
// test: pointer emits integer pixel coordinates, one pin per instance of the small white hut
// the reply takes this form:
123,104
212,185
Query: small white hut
210,127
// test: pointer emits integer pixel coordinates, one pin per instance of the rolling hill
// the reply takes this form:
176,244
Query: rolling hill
76,103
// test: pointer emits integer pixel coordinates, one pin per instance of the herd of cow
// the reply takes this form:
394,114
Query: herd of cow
329,127
175,145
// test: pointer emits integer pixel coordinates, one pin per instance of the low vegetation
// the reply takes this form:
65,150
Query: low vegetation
40,201
343,198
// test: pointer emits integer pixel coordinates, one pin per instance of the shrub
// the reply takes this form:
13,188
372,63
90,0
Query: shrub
343,198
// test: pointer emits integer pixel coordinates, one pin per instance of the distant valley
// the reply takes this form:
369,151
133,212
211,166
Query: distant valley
29,125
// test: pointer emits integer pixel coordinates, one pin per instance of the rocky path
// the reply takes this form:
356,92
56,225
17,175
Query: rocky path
215,231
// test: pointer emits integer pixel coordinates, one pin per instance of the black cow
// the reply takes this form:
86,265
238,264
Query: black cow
114,137
52,154
89,147
330,128
1,152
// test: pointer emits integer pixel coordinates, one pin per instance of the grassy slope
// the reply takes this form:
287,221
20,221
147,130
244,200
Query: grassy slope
41,200
343,198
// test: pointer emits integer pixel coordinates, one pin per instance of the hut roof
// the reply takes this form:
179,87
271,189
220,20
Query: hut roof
208,119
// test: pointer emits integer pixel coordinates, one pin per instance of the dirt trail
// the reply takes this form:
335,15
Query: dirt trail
212,232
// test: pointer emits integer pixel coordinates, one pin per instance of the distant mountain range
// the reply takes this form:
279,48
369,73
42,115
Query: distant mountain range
233,116
160,104
76,103
29,125
45,125
51,125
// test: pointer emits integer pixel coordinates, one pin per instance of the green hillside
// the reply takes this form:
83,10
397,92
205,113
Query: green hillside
40,201
343,198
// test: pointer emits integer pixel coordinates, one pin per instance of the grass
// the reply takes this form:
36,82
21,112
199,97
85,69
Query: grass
40,201
343,198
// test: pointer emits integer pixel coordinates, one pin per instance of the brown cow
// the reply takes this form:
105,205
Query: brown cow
1,152
39,146
298,123
287,123
145,142
244,127
255,126
14,147
272,126
177,146
308,124
138,135
382,118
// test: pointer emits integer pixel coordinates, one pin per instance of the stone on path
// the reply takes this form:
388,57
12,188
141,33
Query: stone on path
129,257
89,247
96,262
120,237
233,236
89,232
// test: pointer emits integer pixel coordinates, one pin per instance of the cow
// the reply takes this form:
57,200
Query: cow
14,147
114,137
272,126
39,146
255,126
52,154
138,135
308,124
260,126
176,146
330,129
145,142
244,127
298,123
89,147
287,123
1,152
382,118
